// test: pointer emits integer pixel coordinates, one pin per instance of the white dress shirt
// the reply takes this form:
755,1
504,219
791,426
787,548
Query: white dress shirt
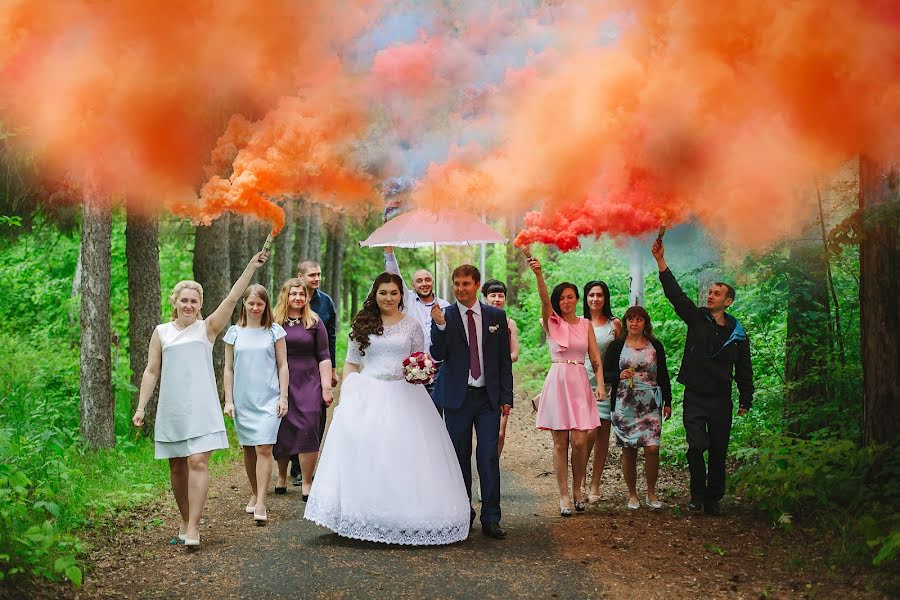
476,310
412,303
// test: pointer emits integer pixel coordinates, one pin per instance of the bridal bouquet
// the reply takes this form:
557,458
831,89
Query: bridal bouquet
420,368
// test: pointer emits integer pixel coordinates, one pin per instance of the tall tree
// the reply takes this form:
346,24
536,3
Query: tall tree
336,251
879,288
211,270
236,244
142,257
515,262
97,402
807,346
314,249
284,260
301,233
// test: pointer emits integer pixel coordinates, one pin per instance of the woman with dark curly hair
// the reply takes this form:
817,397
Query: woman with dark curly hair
641,399
388,471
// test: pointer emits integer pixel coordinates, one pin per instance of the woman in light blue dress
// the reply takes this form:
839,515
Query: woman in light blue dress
256,388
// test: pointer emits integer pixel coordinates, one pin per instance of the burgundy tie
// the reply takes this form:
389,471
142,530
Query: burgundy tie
474,363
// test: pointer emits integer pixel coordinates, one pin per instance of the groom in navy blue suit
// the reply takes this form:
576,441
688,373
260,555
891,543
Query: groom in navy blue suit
474,386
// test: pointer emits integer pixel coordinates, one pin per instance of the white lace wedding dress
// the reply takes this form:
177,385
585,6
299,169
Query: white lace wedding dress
388,472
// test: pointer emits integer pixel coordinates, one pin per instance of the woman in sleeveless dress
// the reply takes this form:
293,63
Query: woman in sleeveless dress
606,327
256,383
388,471
568,404
189,422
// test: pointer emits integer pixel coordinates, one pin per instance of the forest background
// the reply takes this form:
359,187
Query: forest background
802,455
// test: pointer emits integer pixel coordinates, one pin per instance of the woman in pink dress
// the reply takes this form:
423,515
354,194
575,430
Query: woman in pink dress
568,406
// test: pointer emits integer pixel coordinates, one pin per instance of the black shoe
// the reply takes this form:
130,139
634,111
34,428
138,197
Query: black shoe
493,530
712,507
696,504
280,490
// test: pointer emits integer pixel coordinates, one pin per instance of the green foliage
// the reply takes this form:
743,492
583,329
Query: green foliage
830,482
51,486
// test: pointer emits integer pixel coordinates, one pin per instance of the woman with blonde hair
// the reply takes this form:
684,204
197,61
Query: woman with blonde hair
309,384
189,422
256,384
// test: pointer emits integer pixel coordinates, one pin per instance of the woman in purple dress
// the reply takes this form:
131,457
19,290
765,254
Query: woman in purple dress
309,387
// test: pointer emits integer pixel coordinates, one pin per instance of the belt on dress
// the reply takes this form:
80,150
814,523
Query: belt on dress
568,362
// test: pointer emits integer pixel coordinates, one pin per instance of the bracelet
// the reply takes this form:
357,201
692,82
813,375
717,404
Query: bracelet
139,410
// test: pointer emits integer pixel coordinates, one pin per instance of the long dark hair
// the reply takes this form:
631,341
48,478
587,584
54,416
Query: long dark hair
368,320
607,309
637,311
557,294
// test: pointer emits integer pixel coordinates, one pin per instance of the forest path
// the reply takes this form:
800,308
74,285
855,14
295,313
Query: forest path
605,552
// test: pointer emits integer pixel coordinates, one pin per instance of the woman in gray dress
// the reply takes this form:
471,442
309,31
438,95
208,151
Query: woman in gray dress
189,422
256,388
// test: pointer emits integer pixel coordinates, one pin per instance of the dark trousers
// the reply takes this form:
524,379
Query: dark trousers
707,424
476,412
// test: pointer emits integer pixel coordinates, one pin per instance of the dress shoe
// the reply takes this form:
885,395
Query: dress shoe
634,504
260,519
298,480
250,508
696,504
280,490
580,506
653,505
593,498
192,543
712,507
493,530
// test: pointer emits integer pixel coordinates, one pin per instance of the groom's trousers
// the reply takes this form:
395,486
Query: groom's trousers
476,411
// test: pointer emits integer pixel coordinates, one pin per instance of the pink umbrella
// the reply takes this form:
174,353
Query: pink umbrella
419,228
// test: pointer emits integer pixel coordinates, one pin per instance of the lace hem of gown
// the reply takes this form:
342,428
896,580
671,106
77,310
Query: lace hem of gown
426,534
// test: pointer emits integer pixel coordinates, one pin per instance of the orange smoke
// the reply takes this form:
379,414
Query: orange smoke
300,146
129,97
716,112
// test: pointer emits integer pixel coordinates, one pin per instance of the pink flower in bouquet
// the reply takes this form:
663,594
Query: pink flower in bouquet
419,368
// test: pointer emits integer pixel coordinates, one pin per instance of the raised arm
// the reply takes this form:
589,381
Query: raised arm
546,307
217,321
148,381
684,306
392,266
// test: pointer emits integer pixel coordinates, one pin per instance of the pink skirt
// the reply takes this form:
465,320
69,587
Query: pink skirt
567,400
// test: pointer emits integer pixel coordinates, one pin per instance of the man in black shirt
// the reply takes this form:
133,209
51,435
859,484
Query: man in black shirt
716,353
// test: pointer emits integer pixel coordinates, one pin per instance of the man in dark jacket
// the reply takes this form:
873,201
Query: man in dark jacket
716,352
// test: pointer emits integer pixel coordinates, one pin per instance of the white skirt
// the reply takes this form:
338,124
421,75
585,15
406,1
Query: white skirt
195,445
388,471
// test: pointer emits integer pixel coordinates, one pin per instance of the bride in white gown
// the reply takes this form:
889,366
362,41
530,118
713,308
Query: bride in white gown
388,471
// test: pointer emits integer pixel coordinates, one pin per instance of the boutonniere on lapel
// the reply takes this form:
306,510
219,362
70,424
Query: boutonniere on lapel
493,328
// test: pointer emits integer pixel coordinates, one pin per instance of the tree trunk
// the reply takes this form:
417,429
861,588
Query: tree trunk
339,241
807,348
235,244
211,270
142,256
301,235
284,264
314,250
327,270
515,263
879,288
98,405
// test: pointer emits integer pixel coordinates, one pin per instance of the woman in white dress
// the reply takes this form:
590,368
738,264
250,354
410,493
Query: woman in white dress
256,390
388,471
189,422
598,311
